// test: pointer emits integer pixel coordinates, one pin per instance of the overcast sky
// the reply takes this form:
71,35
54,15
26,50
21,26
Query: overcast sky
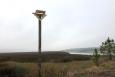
68,24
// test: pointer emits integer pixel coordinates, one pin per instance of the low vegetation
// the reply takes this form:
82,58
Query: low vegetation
69,69
46,57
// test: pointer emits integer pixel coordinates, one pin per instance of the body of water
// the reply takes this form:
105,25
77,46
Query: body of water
81,53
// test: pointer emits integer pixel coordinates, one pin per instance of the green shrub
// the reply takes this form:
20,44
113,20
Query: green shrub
96,57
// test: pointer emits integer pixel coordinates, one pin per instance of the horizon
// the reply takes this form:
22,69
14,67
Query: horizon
19,50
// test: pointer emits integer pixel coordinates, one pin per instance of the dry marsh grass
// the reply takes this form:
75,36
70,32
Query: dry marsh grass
69,69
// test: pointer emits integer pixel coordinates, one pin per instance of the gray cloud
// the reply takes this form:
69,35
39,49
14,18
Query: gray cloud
68,24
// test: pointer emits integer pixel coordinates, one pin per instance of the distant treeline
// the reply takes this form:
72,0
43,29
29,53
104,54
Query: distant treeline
46,57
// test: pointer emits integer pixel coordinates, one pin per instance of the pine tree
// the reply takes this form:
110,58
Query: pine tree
108,48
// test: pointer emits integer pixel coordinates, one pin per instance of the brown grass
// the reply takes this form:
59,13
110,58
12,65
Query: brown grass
69,69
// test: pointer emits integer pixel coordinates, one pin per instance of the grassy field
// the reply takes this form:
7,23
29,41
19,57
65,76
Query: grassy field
61,65
53,56
69,69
